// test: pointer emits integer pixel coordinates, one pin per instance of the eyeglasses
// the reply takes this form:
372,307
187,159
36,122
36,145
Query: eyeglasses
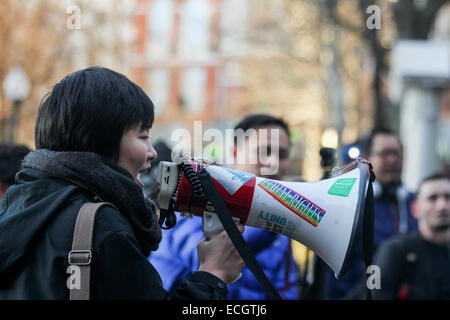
386,153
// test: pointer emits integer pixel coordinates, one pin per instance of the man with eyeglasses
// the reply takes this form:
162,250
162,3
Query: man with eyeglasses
392,205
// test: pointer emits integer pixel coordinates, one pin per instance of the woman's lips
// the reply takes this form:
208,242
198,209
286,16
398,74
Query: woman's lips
146,169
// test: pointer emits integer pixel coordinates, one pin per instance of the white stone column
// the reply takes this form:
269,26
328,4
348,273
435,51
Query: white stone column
419,114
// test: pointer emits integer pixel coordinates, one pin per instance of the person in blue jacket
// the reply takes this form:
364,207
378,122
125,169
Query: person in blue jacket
392,206
177,255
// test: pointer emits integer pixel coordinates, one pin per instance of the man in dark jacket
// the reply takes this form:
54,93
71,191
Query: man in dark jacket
417,265
92,140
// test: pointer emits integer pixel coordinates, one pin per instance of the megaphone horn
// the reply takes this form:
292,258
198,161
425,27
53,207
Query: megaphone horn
324,215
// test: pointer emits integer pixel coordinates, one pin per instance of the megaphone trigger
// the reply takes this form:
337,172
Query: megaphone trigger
237,278
211,224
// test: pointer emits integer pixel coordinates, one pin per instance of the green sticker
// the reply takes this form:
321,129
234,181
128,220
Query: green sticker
342,187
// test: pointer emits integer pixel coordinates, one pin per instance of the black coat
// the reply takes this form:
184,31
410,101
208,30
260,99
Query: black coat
413,268
37,219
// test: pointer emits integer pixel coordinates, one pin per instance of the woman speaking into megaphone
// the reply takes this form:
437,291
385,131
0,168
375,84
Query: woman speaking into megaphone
92,139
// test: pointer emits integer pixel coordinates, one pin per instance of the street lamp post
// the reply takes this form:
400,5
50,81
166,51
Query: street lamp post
16,87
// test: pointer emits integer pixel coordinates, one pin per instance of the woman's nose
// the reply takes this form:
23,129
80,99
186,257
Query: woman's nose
152,153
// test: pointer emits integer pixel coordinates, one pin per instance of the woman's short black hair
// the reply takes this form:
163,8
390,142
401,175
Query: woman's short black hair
89,110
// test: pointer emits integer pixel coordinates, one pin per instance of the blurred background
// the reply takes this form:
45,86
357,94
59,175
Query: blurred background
332,69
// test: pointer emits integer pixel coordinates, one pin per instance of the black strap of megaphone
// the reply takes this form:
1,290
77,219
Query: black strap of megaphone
368,228
230,227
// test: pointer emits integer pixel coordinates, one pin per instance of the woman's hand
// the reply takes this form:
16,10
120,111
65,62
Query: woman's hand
219,257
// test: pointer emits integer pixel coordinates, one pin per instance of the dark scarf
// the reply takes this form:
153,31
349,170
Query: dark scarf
110,182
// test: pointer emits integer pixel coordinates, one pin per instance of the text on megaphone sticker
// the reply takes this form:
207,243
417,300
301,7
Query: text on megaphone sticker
294,201
272,222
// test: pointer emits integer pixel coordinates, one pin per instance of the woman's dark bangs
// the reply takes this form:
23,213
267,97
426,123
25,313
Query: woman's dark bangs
148,116
145,111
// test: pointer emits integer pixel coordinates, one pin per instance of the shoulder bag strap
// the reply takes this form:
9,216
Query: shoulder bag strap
81,254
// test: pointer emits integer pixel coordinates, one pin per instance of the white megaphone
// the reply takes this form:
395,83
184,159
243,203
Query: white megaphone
324,215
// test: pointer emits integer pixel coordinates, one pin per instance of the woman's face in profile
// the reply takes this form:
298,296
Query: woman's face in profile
136,151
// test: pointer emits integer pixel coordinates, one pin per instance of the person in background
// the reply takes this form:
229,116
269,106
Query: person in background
392,205
11,157
177,257
416,266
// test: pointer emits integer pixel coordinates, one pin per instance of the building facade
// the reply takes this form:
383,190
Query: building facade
187,58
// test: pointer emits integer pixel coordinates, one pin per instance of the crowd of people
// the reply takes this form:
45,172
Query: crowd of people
93,144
